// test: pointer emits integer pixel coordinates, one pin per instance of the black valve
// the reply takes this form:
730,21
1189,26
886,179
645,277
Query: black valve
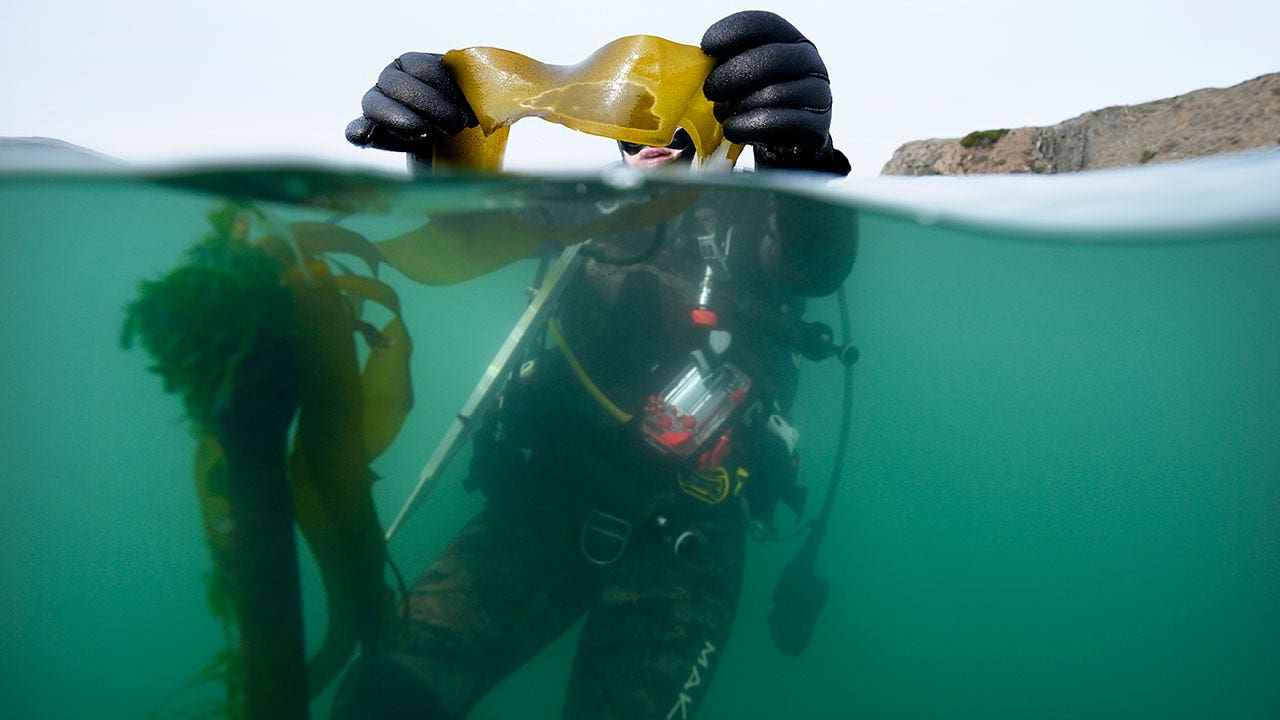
816,343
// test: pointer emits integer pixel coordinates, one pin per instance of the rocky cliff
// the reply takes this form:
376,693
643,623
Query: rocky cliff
1199,123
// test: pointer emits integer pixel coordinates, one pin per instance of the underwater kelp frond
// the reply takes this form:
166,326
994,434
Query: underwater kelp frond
316,238
330,479
222,319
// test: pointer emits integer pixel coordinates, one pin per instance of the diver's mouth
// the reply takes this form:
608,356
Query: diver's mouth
654,156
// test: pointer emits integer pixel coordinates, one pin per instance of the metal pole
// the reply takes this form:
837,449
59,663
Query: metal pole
526,329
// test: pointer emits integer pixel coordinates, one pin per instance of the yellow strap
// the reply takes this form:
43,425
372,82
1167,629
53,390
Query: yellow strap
598,395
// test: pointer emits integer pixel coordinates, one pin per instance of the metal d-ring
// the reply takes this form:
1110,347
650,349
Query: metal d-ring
612,528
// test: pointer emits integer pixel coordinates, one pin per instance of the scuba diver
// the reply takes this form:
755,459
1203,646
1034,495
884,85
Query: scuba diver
626,463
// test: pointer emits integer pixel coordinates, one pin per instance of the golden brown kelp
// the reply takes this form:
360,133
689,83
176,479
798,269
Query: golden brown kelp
461,246
331,478
639,89
349,416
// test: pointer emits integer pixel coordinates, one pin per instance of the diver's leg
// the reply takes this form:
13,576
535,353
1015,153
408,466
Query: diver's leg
656,635
507,585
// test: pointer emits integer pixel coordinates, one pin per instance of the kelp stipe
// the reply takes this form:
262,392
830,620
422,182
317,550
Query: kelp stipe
221,332
253,334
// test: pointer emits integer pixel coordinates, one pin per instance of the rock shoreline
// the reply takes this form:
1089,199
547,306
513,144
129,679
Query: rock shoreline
1196,124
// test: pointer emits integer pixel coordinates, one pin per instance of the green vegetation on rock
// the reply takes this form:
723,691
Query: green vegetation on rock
982,138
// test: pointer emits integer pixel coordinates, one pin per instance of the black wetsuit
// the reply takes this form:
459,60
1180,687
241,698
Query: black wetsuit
518,575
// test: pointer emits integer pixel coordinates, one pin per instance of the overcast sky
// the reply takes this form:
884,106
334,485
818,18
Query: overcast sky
164,81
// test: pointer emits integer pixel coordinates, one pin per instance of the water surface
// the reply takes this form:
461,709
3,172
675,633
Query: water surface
1062,497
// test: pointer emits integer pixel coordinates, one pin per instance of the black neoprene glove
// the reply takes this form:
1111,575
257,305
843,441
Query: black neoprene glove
415,104
771,91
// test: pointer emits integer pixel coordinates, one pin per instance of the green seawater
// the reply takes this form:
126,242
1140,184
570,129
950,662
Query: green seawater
1061,499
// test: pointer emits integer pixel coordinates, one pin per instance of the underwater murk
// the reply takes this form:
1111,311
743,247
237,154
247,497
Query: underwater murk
1061,496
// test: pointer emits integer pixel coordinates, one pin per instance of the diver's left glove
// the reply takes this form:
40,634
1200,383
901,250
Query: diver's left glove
415,104
771,91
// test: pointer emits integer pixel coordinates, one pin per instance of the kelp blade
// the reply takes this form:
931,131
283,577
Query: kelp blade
330,478
386,386
614,93
452,248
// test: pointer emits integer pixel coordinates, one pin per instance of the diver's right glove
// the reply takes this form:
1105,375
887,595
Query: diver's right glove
771,91
415,104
